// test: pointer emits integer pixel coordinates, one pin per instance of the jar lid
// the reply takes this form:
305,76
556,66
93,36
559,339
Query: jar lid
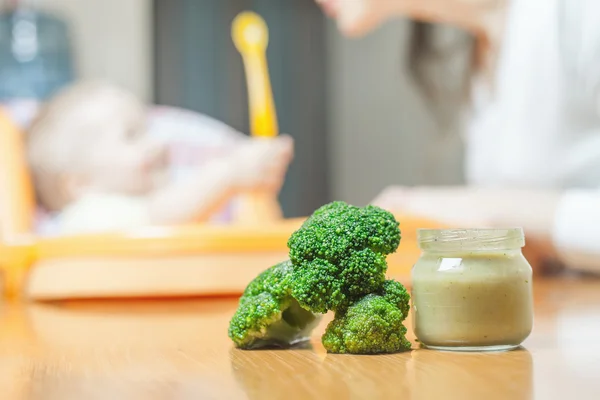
470,239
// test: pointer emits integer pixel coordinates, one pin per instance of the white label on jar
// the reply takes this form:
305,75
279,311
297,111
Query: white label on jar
449,263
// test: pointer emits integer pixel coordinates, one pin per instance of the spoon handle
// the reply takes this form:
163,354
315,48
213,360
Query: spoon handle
263,119
250,36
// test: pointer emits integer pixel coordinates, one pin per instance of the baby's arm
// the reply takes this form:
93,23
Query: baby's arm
194,199
257,165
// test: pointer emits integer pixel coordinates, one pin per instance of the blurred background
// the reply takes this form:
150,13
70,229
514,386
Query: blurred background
359,121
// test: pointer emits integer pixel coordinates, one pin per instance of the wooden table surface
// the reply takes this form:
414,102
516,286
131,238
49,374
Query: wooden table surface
180,350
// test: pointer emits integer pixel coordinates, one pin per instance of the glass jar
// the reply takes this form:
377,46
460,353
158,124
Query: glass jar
472,290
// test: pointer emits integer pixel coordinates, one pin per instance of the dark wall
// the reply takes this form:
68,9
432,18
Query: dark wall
197,67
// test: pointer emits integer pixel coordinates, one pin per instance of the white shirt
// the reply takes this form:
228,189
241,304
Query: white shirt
541,126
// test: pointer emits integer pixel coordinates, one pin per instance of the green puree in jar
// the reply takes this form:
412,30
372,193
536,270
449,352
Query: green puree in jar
472,296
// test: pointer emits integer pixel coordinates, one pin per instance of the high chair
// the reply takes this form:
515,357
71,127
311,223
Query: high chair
189,260
155,261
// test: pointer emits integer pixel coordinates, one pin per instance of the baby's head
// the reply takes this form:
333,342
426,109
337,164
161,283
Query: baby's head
91,137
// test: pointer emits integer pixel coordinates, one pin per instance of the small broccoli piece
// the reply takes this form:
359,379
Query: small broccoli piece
396,293
338,255
372,325
268,315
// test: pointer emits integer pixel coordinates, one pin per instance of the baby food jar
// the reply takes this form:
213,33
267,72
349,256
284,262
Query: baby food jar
472,290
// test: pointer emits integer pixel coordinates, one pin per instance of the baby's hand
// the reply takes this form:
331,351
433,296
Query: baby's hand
261,163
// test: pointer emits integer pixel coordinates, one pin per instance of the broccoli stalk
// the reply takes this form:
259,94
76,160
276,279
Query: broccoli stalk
268,315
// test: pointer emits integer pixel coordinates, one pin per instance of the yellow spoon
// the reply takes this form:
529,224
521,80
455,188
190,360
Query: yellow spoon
251,36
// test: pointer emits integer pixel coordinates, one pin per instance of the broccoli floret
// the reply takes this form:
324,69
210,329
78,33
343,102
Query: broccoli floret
338,255
395,293
372,325
268,315
337,262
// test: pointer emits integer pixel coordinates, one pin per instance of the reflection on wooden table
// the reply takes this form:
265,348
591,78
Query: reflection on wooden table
179,350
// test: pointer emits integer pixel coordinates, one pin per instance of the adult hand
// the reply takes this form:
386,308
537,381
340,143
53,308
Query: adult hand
358,17
467,207
464,206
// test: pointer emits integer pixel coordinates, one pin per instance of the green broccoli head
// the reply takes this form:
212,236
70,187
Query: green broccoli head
339,255
372,325
268,315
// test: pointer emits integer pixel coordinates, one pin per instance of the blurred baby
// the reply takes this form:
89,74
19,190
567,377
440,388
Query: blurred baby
96,167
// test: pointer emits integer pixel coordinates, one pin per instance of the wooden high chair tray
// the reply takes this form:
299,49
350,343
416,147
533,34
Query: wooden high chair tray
167,241
172,262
